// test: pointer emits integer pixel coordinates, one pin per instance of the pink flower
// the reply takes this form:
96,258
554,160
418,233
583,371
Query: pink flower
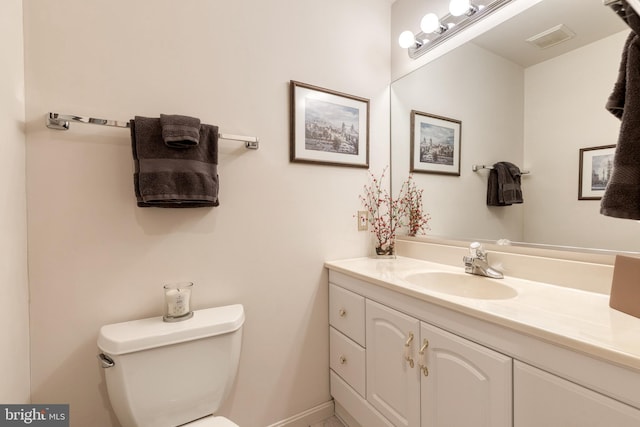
411,201
387,215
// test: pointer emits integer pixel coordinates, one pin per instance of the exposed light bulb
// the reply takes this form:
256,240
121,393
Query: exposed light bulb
430,23
459,7
406,39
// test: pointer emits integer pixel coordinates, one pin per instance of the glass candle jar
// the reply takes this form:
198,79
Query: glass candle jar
177,301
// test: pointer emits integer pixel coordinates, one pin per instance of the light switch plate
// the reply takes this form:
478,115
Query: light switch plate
363,221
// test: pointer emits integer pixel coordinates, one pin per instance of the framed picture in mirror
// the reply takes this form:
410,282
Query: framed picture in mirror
596,165
435,144
328,127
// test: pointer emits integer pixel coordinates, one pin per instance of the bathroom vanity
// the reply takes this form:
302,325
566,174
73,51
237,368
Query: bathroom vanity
417,343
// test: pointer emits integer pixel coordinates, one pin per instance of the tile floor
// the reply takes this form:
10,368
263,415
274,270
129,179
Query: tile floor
329,422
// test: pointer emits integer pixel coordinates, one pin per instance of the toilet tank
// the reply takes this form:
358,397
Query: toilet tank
167,374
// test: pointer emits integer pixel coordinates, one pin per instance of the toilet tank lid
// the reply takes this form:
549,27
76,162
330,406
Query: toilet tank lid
137,335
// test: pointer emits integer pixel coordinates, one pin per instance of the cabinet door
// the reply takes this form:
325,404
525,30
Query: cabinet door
543,399
393,385
467,385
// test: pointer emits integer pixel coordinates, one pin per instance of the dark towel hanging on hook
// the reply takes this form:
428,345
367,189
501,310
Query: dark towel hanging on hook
621,198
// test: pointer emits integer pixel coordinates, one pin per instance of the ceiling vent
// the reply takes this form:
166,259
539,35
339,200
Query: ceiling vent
552,36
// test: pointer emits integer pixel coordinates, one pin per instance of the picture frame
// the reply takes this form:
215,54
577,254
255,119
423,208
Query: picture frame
596,165
435,144
328,127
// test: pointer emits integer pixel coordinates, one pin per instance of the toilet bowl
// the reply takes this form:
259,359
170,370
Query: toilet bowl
167,374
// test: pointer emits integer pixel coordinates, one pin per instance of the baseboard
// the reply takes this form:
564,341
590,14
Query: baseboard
345,417
308,417
352,406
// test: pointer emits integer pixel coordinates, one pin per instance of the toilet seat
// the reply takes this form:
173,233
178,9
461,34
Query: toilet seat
212,421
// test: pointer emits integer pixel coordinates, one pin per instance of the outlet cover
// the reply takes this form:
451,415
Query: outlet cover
363,221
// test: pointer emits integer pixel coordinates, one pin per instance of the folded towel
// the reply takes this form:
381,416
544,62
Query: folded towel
503,187
180,131
621,198
174,178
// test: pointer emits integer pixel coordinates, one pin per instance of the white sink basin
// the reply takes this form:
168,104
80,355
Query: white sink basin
462,285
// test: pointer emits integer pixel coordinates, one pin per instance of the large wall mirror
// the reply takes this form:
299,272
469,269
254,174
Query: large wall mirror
531,106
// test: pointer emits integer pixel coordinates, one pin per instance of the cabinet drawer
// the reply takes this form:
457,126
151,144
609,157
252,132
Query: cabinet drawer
346,313
347,359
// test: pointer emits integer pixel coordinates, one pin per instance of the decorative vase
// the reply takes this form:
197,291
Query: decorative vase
386,252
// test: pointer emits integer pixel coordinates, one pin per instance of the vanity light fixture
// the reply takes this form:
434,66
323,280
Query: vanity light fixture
430,23
407,40
462,14
462,7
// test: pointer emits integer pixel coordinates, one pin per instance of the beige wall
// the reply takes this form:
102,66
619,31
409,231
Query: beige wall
564,111
95,258
14,315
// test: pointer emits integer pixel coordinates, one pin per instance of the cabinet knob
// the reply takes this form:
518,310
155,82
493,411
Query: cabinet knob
342,312
343,360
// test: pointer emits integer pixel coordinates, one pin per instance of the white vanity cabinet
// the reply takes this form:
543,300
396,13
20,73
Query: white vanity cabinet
543,399
416,374
398,360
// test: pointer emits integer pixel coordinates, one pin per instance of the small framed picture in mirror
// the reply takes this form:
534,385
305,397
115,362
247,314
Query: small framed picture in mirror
596,165
435,144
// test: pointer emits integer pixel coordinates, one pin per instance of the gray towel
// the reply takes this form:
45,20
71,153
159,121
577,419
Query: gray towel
621,198
180,131
503,187
174,178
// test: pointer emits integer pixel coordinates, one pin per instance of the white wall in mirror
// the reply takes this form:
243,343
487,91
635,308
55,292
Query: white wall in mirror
536,116
447,87
564,112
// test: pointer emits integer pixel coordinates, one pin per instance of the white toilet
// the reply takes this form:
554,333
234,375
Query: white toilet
162,374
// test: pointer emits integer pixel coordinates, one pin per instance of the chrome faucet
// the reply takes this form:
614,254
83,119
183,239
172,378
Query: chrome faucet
476,263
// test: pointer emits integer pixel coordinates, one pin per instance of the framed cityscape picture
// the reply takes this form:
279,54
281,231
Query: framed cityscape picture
435,144
596,165
328,127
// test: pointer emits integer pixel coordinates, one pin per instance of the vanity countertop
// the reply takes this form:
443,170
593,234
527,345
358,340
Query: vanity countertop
569,317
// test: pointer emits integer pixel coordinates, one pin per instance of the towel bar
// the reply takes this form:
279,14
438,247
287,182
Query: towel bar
63,121
476,168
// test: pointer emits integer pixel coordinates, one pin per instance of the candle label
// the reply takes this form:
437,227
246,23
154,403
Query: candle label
177,302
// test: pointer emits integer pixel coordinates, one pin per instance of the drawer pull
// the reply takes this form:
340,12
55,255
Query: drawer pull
407,350
423,358
343,360
342,312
